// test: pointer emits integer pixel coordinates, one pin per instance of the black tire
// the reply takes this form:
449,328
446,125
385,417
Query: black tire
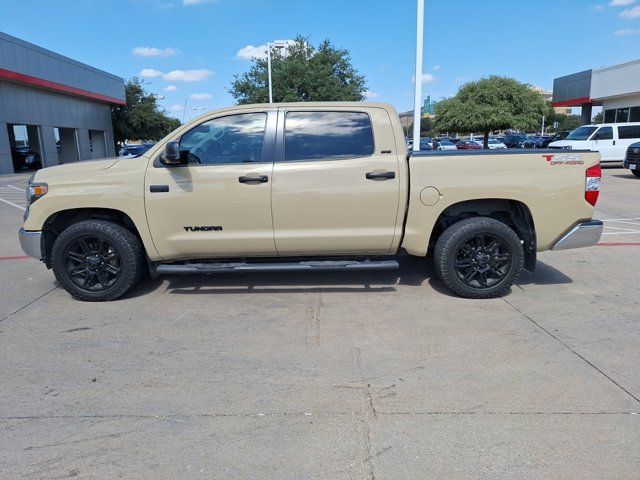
482,245
636,173
97,261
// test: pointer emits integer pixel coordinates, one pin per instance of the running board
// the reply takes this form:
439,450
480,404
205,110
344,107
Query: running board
311,266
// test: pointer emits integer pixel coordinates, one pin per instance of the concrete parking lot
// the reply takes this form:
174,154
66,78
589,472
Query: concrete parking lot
327,376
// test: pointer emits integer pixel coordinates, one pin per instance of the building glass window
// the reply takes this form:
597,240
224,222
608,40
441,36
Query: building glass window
622,115
634,115
327,135
609,116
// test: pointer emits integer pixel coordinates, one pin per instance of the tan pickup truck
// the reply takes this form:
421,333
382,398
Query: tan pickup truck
306,186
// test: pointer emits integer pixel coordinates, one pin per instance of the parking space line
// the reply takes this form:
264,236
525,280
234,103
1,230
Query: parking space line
12,204
19,257
13,196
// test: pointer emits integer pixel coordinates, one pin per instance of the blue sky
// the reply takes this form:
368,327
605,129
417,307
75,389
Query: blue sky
194,47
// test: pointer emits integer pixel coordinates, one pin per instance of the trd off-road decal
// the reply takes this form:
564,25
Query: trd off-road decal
203,229
564,159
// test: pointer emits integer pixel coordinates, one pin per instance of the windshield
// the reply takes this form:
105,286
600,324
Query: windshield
582,133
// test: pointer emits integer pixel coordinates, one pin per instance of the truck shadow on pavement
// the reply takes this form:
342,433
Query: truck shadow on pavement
413,272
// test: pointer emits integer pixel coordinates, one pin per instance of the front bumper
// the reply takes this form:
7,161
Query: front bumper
31,243
586,234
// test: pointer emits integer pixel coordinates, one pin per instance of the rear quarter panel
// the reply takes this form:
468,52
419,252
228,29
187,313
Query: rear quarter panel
553,191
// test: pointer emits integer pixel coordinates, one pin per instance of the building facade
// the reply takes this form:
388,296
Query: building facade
54,107
616,89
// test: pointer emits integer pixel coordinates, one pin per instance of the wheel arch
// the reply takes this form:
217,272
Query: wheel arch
57,222
513,213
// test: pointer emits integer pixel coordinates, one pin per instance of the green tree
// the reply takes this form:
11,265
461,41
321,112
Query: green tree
301,73
492,103
598,118
141,118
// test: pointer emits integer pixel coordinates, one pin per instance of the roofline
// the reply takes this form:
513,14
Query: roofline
22,79
57,56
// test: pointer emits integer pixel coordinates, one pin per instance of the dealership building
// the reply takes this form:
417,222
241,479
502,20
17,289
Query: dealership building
616,89
53,106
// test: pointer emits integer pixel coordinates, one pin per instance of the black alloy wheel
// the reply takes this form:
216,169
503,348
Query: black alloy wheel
483,261
97,260
92,263
479,257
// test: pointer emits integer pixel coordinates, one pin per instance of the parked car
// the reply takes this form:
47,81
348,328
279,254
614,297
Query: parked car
23,157
425,144
610,139
205,201
468,145
536,142
515,140
131,151
443,144
556,138
632,160
495,144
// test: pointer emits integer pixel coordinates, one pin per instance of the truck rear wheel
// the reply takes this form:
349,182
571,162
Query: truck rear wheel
479,258
97,260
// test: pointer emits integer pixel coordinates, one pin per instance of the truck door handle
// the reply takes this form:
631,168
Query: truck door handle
256,179
381,175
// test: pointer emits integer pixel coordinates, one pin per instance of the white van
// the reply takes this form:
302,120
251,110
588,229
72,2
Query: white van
610,139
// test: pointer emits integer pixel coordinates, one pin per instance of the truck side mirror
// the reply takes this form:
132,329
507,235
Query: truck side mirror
171,156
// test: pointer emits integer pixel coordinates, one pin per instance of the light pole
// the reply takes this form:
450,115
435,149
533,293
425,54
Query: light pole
279,45
417,100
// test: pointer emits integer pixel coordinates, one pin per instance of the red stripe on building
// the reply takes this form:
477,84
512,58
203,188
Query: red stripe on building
56,87
576,102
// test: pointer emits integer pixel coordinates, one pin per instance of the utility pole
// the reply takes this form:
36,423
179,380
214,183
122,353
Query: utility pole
417,100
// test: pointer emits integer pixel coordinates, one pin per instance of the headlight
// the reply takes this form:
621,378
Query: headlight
36,191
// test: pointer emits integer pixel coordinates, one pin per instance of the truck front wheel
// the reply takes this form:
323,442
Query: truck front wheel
97,260
479,258
636,173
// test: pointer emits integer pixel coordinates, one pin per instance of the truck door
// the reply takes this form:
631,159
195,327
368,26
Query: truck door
219,203
336,181
603,141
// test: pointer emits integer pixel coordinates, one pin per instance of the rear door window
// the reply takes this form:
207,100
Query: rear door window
313,136
630,132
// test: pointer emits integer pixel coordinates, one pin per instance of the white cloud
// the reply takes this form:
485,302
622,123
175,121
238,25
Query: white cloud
370,94
627,31
427,78
176,108
250,52
437,67
196,2
150,73
154,52
621,3
170,88
200,96
630,12
187,75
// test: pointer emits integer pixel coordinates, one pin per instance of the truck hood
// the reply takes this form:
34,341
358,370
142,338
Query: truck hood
75,169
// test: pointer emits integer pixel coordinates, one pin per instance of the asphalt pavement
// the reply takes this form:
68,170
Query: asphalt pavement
379,375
